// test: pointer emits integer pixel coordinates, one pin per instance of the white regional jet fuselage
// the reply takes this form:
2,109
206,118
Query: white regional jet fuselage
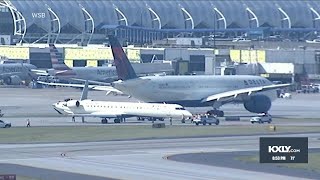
191,91
107,109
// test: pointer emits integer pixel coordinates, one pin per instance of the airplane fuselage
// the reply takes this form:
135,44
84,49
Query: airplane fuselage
13,70
15,67
109,74
115,109
188,90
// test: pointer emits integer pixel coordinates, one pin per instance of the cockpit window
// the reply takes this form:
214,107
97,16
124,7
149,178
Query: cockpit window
180,108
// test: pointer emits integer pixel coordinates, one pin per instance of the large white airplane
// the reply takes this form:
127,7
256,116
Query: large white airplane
118,110
254,92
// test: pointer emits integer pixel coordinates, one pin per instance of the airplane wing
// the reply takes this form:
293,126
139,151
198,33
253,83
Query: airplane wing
244,91
91,81
4,75
40,72
109,89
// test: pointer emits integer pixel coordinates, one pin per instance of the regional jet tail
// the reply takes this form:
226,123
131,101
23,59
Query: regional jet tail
254,92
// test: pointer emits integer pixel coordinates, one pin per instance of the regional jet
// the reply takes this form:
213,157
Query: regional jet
254,92
118,110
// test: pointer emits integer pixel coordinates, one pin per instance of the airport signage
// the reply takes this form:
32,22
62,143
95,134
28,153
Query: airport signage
39,15
283,150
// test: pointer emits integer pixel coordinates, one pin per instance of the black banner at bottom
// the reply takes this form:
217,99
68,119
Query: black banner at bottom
283,150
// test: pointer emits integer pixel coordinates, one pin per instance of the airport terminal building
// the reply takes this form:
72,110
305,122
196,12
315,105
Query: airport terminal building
192,32
141,21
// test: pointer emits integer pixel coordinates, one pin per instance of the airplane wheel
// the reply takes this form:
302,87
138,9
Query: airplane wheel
221,114
197,123
104,121
116,120
204,123
183,121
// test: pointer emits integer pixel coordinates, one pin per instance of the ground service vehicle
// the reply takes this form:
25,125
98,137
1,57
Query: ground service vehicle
261,119
206,120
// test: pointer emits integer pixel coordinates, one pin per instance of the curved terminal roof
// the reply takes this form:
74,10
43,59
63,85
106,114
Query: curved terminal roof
278,14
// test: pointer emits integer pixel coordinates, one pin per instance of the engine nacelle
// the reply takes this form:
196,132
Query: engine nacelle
13,80
258,104
73,103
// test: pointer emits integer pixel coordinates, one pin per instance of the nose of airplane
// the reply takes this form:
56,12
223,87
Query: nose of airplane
56,108
57,105
187,114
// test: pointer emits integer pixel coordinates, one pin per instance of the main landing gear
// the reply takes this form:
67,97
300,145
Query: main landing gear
74,119
216,112
104,121
116,120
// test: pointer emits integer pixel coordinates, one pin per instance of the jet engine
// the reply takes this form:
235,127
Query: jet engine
12,80
73,103
258,104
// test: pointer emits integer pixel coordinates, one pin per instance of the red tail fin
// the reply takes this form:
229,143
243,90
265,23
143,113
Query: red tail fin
124,69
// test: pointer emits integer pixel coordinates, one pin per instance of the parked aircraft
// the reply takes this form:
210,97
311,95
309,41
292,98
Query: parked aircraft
101,73
118,110
254,92
15,73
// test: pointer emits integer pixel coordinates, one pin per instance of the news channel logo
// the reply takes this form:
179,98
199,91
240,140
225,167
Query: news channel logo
283,150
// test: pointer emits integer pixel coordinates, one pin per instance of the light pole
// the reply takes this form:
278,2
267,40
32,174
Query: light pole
214,43
214,30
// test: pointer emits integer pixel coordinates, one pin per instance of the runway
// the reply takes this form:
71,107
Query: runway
142,158
139,159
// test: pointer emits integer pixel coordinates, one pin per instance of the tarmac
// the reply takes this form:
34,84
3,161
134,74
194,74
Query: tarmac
140,158
19,104
229,159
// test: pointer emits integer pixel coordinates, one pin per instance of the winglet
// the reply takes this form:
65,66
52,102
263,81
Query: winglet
84,94
124,68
